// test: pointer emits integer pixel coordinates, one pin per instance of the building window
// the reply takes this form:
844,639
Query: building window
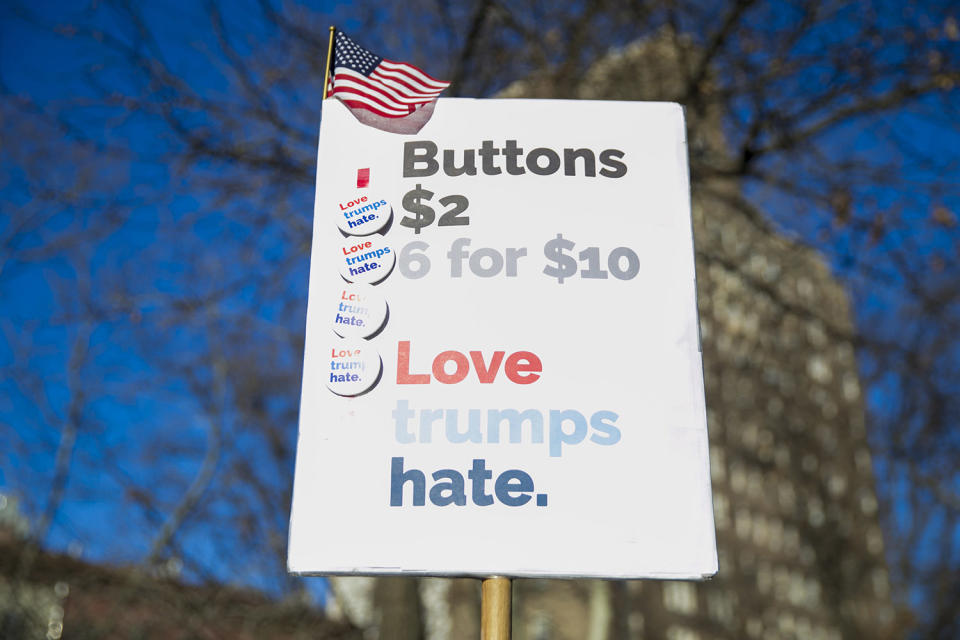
749,435
764,578
774,406
791,540
765,445
738,477
781,457
713,420
775,533
782,581
851,387
787,497
829,410
743,523
803,592
717,467
819,369
539,627
755,485
786,624
815,513
682,633
881,584
721,511
680,597
868,503
723,561
837,485
760,531
720,606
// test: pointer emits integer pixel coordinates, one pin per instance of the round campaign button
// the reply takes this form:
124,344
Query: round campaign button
359,311
352,367
363,215
367,260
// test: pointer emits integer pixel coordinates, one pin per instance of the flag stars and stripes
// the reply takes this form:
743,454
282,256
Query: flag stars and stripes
354,56
364,80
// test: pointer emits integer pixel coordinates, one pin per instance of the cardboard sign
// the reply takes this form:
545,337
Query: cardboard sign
530,403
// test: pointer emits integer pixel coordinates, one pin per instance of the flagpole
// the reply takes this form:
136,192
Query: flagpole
326,75
495,605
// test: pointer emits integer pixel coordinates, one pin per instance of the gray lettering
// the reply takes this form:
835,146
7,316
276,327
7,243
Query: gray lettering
533,161
469,166
420,152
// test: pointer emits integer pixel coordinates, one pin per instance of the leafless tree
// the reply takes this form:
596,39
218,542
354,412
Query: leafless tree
162,202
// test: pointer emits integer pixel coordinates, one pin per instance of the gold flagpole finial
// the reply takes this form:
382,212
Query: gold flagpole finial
326,75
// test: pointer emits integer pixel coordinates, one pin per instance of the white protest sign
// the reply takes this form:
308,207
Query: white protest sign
531,401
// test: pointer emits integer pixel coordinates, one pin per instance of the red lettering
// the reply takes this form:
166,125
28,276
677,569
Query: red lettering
526,373
403,366
485,374
440,373
521,367
356,247
353,203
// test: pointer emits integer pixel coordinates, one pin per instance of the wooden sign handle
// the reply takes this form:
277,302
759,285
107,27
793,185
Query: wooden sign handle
495,609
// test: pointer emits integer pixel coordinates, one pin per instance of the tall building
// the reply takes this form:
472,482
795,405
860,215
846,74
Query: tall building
801,553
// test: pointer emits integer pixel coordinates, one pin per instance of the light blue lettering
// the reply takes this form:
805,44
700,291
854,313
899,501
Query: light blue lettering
559,437
605,432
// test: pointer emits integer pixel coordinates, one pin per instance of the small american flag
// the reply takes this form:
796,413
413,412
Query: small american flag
363,80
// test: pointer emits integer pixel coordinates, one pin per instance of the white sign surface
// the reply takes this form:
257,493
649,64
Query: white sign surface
536,406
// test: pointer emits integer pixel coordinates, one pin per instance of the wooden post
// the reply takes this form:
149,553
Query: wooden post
495,605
